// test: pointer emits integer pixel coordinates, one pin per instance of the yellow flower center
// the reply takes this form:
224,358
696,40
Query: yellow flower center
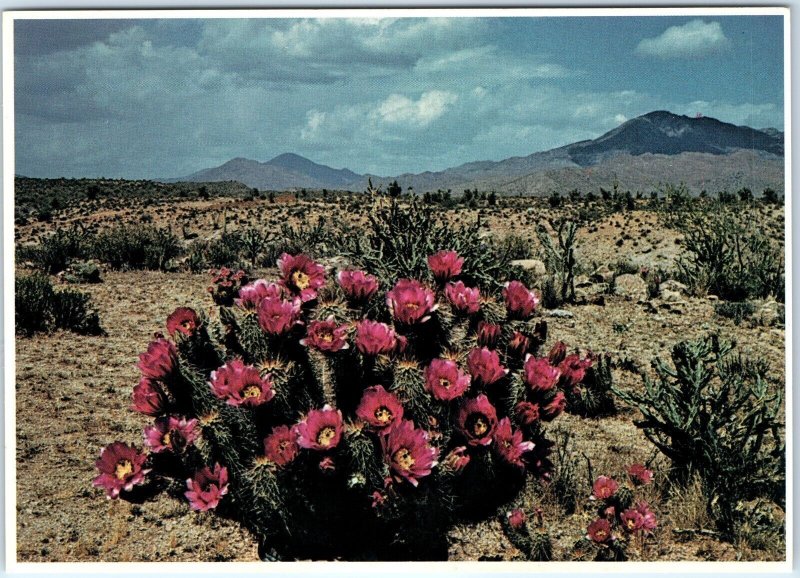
167,438
403,459
283,445
445,383
300,280
480,426
187,325
383,415
327,337
325,436
412,306
601,534
631,524
251,391
123,469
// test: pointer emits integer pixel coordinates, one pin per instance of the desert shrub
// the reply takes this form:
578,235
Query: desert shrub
516,247
317,239
83,272
738,311
252,241
38,307
290,403
712,414
730,259
132,247
559,257
196,259
225,251
56,252
565,480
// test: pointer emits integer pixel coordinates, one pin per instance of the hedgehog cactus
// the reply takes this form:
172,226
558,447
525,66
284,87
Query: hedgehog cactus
326,412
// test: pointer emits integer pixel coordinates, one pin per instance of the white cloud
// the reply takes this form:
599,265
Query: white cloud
694,39
398,108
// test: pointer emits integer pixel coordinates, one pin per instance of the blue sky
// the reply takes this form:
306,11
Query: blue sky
162,98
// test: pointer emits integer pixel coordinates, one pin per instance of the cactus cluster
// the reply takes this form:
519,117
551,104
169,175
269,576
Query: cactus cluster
338,416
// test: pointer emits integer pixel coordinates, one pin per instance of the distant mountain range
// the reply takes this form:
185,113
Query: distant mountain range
640,154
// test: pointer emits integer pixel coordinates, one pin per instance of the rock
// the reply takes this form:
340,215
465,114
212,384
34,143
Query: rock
535,266
631,287
670,296
582,281
674,286
602,274
561,313
771,313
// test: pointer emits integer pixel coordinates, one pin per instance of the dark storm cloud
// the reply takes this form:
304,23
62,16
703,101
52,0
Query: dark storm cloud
41,37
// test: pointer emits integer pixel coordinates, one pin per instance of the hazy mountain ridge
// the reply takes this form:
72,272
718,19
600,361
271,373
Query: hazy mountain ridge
641,153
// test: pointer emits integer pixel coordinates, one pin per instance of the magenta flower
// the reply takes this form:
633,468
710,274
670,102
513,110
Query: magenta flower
277,316
516,518
599,531
488,334
484,366
171,433
445,380
410,302
321,430
632,520
250,296
604,487
280,446
407,452
649,522
555,408
509,443
326,336
557,353
240,384
120,467
380,409
374,338
148,397
445,265
301,275
527,412
207,487
357,285
466,300
457,459
540,375
519,344
640,475
159,361
477,420
183,320
573,368
520,301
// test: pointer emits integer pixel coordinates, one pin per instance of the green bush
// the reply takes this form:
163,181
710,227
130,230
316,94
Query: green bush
225,251
738,311
40,308
56,252
131,247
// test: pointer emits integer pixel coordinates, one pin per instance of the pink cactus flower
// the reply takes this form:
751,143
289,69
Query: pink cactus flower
357,285
599,531
240,384
207,488
327,465
555,408
160,359
171,433
301,275
277,316
527,412
410,302
519,344
280,446
457,459
321,430
484,366
445,265
407,452
604,487
250,296
540,375
148,398
374,338
509,443
632,520
557,353
488,334
465,300
573,368
120,467
183,320
610,513
649,522
380,409
477,421
640,475
516,518
326,336
520,301
444,380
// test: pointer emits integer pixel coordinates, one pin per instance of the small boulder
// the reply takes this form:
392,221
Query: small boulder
602,274
631,287
535,266
673,286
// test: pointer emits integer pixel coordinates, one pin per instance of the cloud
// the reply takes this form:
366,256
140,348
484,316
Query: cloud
695,39
400,109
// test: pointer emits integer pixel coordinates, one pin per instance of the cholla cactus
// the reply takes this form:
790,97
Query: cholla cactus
333,418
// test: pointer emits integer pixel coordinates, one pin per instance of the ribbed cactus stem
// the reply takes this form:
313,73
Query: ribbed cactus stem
328,389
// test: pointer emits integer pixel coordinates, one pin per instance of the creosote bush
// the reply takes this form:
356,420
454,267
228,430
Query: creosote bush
41,308
336,419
